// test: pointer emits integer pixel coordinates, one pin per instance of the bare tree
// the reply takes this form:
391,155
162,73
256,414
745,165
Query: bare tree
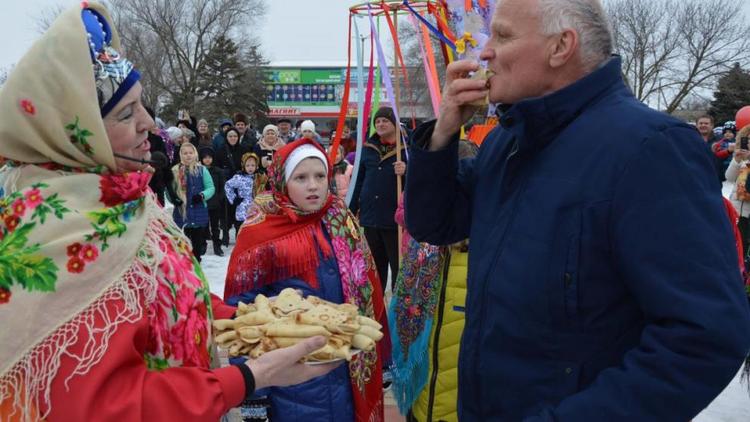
672,48
647,41
171,41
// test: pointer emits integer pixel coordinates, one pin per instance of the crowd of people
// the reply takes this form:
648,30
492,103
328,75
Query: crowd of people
539,278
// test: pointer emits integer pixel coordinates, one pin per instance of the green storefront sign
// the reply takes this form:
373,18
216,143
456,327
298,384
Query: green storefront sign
321,87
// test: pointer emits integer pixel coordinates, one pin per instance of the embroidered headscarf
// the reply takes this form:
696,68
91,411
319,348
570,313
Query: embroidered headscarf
277,242
74,235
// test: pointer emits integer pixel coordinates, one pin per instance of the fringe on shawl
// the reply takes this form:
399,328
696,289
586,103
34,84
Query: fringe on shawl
410,374
292,255
25,389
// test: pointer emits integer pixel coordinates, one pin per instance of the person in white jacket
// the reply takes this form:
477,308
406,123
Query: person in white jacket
740,197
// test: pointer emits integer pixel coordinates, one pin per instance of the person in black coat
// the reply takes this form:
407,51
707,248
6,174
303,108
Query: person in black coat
229,160
216,207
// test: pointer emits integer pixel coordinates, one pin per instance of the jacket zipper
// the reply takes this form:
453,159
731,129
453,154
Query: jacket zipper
483,298
436,340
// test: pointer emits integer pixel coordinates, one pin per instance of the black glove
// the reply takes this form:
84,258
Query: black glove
198,198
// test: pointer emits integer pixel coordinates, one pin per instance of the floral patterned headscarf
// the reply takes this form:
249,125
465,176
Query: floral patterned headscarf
74,236
278,240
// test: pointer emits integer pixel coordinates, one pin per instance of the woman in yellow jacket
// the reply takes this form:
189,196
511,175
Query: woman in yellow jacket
426,317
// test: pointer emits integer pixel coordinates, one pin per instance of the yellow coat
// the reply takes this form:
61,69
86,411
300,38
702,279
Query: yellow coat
437,402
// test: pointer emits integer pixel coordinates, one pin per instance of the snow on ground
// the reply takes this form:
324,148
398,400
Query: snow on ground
733,405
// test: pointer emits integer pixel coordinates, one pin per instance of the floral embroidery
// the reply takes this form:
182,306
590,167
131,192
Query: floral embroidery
179,317
28,107
79,137
20,262
357,268
417,290
110,222
121,188
74,249
89,253
76,265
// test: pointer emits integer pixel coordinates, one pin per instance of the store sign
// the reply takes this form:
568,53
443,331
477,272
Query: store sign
284,111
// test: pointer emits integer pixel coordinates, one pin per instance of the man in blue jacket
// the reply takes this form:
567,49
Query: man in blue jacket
375,194
603,280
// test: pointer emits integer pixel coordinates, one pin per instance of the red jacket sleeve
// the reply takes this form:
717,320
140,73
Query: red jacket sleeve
719,152
120,387
221,309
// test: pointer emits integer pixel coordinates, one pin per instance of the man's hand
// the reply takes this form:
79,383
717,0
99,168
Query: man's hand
455,108
281,367
399,167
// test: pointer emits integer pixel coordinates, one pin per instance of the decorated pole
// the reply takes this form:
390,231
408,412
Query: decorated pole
397,105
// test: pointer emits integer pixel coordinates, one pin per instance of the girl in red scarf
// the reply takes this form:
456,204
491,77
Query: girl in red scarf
301,235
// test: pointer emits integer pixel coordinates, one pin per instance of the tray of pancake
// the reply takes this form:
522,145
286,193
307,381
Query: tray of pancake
283,321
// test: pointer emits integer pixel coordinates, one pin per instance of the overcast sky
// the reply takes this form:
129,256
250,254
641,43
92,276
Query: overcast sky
293,30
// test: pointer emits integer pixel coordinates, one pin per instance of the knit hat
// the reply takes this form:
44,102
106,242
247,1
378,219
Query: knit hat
300,153
226,122
273,128
307,125
114,75
387,113
206,151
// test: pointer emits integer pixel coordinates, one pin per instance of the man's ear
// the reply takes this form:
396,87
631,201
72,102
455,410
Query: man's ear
563,47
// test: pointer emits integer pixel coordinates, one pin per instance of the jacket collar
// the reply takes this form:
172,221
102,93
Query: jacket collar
536,121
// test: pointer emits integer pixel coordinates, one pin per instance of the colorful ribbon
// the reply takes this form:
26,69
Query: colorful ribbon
438,33
360,112
424,39
344,101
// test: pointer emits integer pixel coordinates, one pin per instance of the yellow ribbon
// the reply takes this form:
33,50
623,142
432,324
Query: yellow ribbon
461,43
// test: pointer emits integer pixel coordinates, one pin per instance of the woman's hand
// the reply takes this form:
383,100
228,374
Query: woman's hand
281,367
741,155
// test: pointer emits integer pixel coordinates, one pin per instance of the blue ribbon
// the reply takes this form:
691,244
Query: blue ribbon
431,27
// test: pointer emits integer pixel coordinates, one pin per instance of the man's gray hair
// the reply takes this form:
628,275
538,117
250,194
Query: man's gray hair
588,19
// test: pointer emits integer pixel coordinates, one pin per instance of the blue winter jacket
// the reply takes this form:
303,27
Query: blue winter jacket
324,399
603,281
375,189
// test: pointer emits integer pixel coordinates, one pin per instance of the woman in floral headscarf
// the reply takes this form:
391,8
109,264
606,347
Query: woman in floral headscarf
105,314
303,236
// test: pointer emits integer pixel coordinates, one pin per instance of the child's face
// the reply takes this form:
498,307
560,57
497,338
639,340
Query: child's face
208,160
308,185
250,166
187,155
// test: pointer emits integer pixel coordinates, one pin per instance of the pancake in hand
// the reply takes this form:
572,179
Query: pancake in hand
485,75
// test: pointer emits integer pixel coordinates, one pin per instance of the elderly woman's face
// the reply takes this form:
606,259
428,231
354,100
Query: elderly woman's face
203,128
127,127
270,136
